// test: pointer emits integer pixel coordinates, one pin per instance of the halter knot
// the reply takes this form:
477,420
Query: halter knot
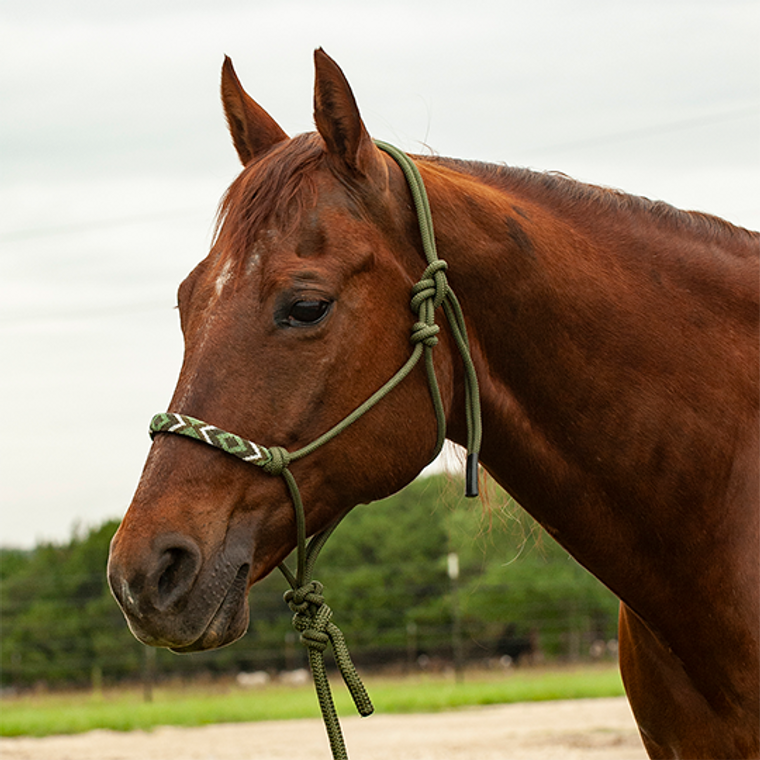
314,639
280,459
311,616
312,619
425,334
432,285
299,599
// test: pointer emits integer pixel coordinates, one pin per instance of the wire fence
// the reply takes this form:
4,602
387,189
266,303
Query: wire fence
61,642
514,599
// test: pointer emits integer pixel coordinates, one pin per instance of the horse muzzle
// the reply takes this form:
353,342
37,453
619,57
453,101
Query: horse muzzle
172,598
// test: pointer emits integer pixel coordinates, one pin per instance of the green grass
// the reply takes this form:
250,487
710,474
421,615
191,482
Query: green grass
125,710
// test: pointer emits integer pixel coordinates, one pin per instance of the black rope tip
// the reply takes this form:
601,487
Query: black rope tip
471,476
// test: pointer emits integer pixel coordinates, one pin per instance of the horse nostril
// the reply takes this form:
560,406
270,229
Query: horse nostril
178,566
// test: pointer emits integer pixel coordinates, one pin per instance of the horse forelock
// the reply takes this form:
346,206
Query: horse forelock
270,193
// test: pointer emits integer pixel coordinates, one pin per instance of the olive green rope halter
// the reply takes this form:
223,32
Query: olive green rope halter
312,617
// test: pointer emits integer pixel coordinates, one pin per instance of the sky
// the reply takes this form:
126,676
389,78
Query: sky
114,154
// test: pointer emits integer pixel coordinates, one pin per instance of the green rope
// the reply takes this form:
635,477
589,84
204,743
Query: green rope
312,619
442,295
311,616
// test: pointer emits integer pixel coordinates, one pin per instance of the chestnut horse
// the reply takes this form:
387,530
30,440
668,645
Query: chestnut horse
615,341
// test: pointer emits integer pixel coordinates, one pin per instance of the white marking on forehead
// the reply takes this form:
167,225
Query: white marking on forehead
261,244
224,277
252,263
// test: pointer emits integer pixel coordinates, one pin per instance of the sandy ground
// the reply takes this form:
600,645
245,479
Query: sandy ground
586,729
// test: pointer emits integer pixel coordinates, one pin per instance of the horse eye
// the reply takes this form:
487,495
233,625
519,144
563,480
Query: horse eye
308,312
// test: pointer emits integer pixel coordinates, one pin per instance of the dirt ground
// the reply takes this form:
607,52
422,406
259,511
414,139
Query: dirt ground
586,729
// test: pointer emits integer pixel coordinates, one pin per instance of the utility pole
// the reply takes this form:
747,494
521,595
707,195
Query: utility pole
456,617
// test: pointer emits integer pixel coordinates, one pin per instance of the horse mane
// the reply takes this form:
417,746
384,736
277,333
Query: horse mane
276,188
571,195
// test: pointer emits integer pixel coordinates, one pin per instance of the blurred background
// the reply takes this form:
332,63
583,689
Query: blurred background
425,582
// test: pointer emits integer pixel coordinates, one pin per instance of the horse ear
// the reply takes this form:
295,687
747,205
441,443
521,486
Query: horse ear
337,118
253,130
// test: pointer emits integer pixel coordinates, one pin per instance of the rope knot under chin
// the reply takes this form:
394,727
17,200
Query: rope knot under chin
299,599
311,615
312,619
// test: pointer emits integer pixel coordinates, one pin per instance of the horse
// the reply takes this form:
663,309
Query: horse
615,344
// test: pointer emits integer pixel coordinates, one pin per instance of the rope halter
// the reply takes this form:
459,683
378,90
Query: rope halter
312,617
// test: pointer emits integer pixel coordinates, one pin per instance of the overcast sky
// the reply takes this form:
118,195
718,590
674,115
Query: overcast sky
114,154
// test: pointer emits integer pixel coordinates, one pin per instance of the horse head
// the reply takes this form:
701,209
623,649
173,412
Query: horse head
298,314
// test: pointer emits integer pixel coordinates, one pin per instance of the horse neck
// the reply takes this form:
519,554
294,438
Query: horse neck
591,349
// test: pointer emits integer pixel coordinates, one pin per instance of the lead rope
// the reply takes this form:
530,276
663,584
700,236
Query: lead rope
312,617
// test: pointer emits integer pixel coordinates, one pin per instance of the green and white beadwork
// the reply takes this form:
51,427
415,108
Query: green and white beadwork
181,424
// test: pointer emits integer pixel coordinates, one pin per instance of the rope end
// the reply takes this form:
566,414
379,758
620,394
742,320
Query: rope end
471,476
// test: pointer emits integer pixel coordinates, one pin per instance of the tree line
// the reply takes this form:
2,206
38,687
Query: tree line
387,572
